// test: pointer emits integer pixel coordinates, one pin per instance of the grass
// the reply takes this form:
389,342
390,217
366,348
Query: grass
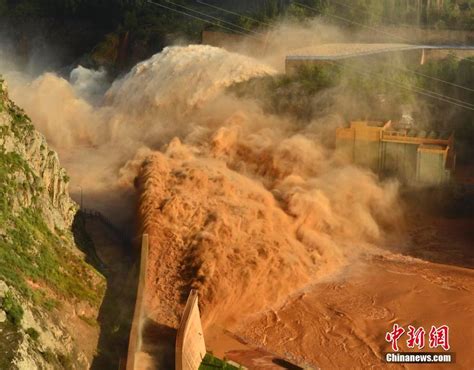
41,299
28,249
33,252
21,123
211,363
11,164
37,262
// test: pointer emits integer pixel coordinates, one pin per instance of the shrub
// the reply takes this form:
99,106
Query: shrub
65,361
33,333
13,309
49,356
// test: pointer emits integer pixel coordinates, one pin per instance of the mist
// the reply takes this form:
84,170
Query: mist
281,194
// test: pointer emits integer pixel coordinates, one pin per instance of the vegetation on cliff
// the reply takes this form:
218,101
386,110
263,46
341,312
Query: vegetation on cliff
118,33
41,270
438,14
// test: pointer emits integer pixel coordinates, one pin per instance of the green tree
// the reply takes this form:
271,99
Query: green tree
3,7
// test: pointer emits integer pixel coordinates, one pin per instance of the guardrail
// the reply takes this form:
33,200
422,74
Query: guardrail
135,340
89,213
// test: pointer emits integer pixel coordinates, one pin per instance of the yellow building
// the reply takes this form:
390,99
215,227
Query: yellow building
414,156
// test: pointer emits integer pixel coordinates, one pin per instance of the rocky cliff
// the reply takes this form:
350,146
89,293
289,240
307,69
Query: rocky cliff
34,168
49,295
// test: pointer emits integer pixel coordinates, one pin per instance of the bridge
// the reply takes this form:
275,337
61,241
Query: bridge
341,52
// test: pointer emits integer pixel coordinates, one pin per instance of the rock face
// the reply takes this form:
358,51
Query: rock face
44,182
49,295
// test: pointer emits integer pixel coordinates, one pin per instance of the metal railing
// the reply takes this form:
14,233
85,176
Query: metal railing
92,213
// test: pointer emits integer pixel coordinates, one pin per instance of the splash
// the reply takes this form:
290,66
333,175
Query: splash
89,84
245,206
98,143
241,204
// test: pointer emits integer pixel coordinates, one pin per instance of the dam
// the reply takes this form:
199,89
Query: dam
414,156
348,53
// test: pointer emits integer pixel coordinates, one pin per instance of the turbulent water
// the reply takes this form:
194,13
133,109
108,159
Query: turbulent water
255,206
96,135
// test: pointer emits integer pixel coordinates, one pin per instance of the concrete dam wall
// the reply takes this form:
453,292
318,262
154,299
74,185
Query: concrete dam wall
135,341
190,345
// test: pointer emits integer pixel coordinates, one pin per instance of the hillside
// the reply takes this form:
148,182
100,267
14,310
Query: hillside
119,33
47,311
